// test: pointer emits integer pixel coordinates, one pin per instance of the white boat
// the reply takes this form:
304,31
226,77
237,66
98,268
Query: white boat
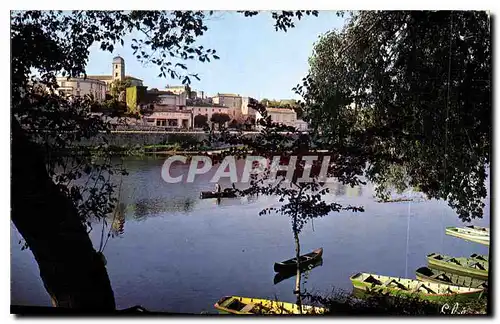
470,234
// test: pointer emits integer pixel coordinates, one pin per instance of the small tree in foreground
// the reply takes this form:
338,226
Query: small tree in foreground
303,199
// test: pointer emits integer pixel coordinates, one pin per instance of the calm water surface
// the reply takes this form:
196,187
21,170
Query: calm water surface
181,254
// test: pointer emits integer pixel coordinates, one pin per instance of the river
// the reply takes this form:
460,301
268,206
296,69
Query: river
179,253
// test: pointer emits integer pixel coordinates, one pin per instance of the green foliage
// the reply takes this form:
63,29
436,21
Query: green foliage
162,147
342,303
413,89
284,19
185,141
135,95
118,86
234,124
131,94
285,103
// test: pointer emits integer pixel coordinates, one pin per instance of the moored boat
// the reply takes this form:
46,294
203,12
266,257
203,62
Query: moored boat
246,305
394,200
283,275
304,260
470,234
439,276
476,266
402,286
222,194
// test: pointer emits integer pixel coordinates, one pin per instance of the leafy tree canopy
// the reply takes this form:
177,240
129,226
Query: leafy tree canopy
220,119
408,88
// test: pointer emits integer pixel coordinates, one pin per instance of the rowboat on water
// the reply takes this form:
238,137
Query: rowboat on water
222,194
450,278
283,275
475,266
304,260
401,286
394,200
246,305
470,234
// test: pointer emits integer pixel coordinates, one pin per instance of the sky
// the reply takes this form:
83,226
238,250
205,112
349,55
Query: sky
255,59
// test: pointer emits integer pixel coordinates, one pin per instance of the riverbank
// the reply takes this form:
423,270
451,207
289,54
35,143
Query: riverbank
338,305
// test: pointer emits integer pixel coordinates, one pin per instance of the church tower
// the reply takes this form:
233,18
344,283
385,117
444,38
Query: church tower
118,68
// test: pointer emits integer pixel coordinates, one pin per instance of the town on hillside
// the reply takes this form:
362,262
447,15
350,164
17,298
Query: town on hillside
175,107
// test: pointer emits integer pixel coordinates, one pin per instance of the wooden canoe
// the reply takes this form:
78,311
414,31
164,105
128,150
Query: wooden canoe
222,194
401,286
394,200
246,305
283,275
450,278
304,261
475,266
470,234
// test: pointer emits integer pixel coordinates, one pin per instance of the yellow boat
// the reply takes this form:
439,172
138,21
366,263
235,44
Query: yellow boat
246,305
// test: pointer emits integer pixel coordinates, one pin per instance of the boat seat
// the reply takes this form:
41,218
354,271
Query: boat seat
248,307
388,282
454,261
478,265
478,257
442,276
421,285
393,281
372,280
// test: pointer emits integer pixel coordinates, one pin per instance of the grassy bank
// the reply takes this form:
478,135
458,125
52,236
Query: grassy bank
343,303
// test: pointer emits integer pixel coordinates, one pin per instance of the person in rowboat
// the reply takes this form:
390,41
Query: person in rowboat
217,188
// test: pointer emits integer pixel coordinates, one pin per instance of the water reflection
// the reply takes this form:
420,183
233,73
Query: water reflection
227,249
118,221
144,208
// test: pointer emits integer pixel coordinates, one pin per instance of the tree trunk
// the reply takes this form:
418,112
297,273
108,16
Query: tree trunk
298,277
72,271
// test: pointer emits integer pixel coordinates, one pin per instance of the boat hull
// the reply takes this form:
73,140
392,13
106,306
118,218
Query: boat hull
210,194
449,278
408,287
306,260
237,305
469,234
441,262
283,275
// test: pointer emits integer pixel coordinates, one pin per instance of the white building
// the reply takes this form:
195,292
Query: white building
230,100
208,111
301,125
79,87
172,99
167,116
176,89
280,115
200,94
245,110
118,73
